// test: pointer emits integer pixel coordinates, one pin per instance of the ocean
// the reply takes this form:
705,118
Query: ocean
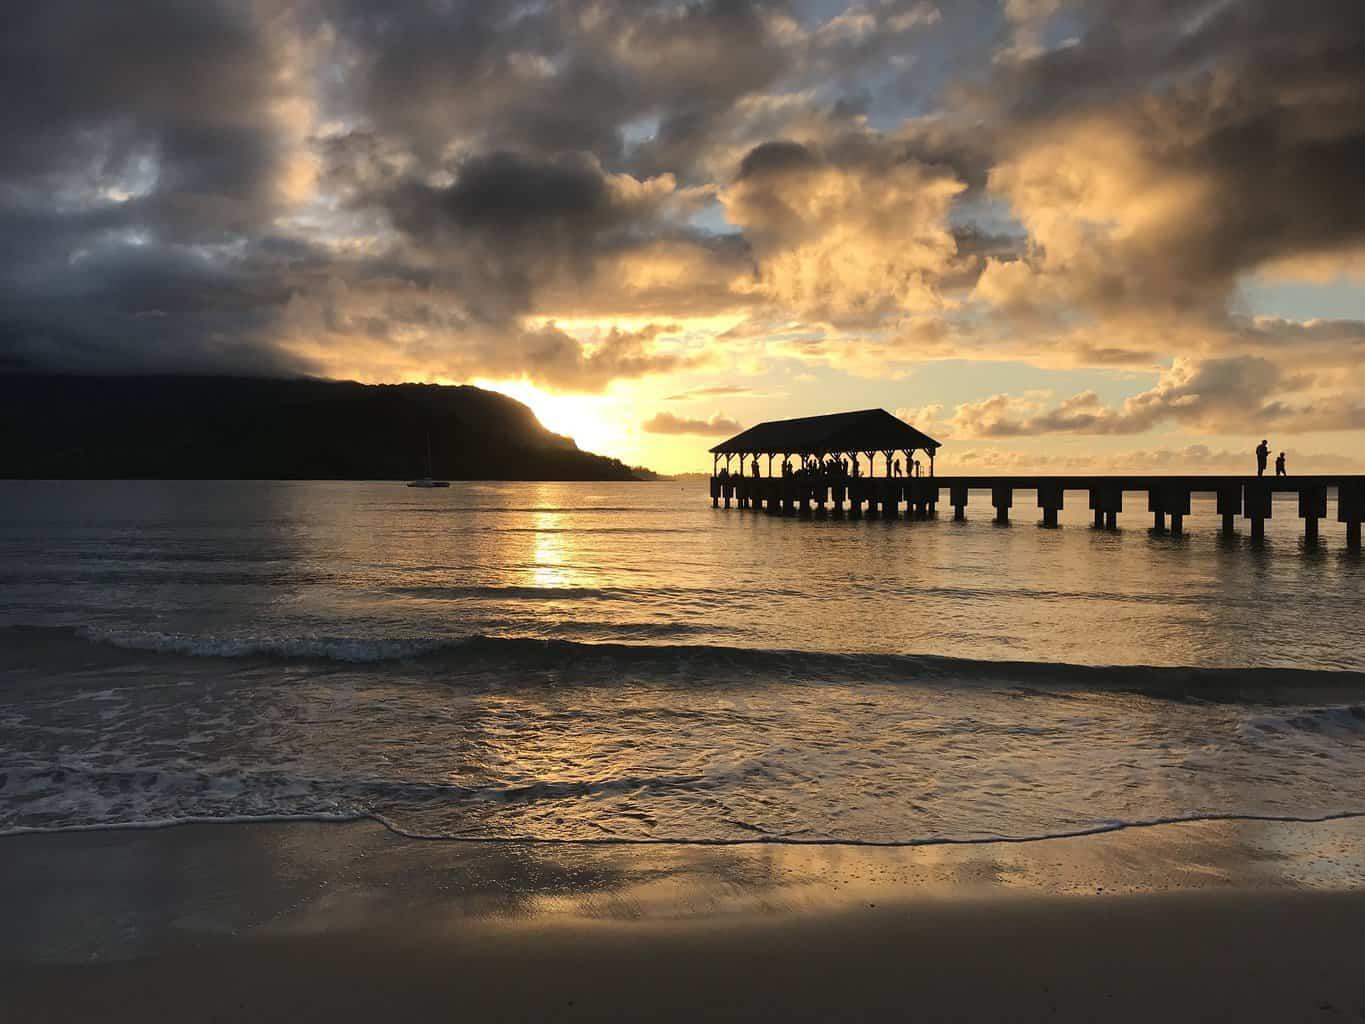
623,663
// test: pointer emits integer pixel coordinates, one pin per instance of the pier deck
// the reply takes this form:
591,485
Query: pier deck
1168,497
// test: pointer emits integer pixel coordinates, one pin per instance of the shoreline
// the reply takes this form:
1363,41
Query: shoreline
398,832
343,921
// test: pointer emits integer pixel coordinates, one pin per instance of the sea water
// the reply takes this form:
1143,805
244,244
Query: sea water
621,662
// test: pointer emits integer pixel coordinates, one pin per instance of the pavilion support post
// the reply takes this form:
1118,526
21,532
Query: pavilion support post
1177,524
1353,535
1158,522
1050,517
1258,527
1099,520
1111,520
1310,529
1229,525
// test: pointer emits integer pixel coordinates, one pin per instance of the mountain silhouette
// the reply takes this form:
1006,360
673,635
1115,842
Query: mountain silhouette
245,428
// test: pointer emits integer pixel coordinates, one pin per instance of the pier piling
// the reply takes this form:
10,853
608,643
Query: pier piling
1003,499
1229,507
1351,509
1107,500
957,494
834,494
1256,498
1312,507
1050,500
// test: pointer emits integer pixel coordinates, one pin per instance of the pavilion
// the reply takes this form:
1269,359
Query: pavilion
846,434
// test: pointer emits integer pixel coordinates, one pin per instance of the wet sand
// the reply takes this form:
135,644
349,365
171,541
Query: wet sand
1213,921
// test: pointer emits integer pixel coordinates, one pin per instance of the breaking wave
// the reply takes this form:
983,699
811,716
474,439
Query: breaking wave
526,657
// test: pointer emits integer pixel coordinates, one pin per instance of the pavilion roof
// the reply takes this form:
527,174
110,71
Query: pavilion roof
868,430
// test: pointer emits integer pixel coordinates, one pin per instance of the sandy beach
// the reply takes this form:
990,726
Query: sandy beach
1214,921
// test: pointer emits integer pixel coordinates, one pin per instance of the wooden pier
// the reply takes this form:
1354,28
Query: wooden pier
821,475
1168,498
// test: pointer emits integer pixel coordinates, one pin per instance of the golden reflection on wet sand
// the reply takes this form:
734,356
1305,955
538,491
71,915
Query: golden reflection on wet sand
74,897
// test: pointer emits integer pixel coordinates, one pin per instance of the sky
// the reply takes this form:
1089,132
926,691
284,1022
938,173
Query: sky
1107,234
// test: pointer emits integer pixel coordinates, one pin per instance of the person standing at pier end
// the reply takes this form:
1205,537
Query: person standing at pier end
1279,465
1262,457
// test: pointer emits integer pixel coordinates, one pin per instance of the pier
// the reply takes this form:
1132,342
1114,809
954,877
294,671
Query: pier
820,474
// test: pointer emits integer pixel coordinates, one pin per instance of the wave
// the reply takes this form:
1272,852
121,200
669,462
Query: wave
1335,721
534,659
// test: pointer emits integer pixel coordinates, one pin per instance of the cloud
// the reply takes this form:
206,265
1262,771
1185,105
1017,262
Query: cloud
848,233
1242,394
669,423
537,191
1175,147
151,148
718,391
925,418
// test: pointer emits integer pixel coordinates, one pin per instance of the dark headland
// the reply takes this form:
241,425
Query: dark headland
243,428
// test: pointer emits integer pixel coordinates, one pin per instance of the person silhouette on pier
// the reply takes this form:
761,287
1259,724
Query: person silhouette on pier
1279,465
1262,457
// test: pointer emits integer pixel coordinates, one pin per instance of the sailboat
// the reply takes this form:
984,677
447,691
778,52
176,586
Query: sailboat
427,481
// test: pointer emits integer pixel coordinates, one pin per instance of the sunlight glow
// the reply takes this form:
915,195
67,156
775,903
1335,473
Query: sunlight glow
587,419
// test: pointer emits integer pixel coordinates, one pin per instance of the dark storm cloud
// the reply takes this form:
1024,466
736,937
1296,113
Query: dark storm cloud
510,226
557,76
1255,109
136,133
429,188
775,158
502,191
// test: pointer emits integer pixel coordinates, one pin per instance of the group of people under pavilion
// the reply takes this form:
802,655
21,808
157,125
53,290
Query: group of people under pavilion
828,466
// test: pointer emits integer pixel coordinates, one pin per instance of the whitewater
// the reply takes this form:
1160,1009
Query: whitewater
622,663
